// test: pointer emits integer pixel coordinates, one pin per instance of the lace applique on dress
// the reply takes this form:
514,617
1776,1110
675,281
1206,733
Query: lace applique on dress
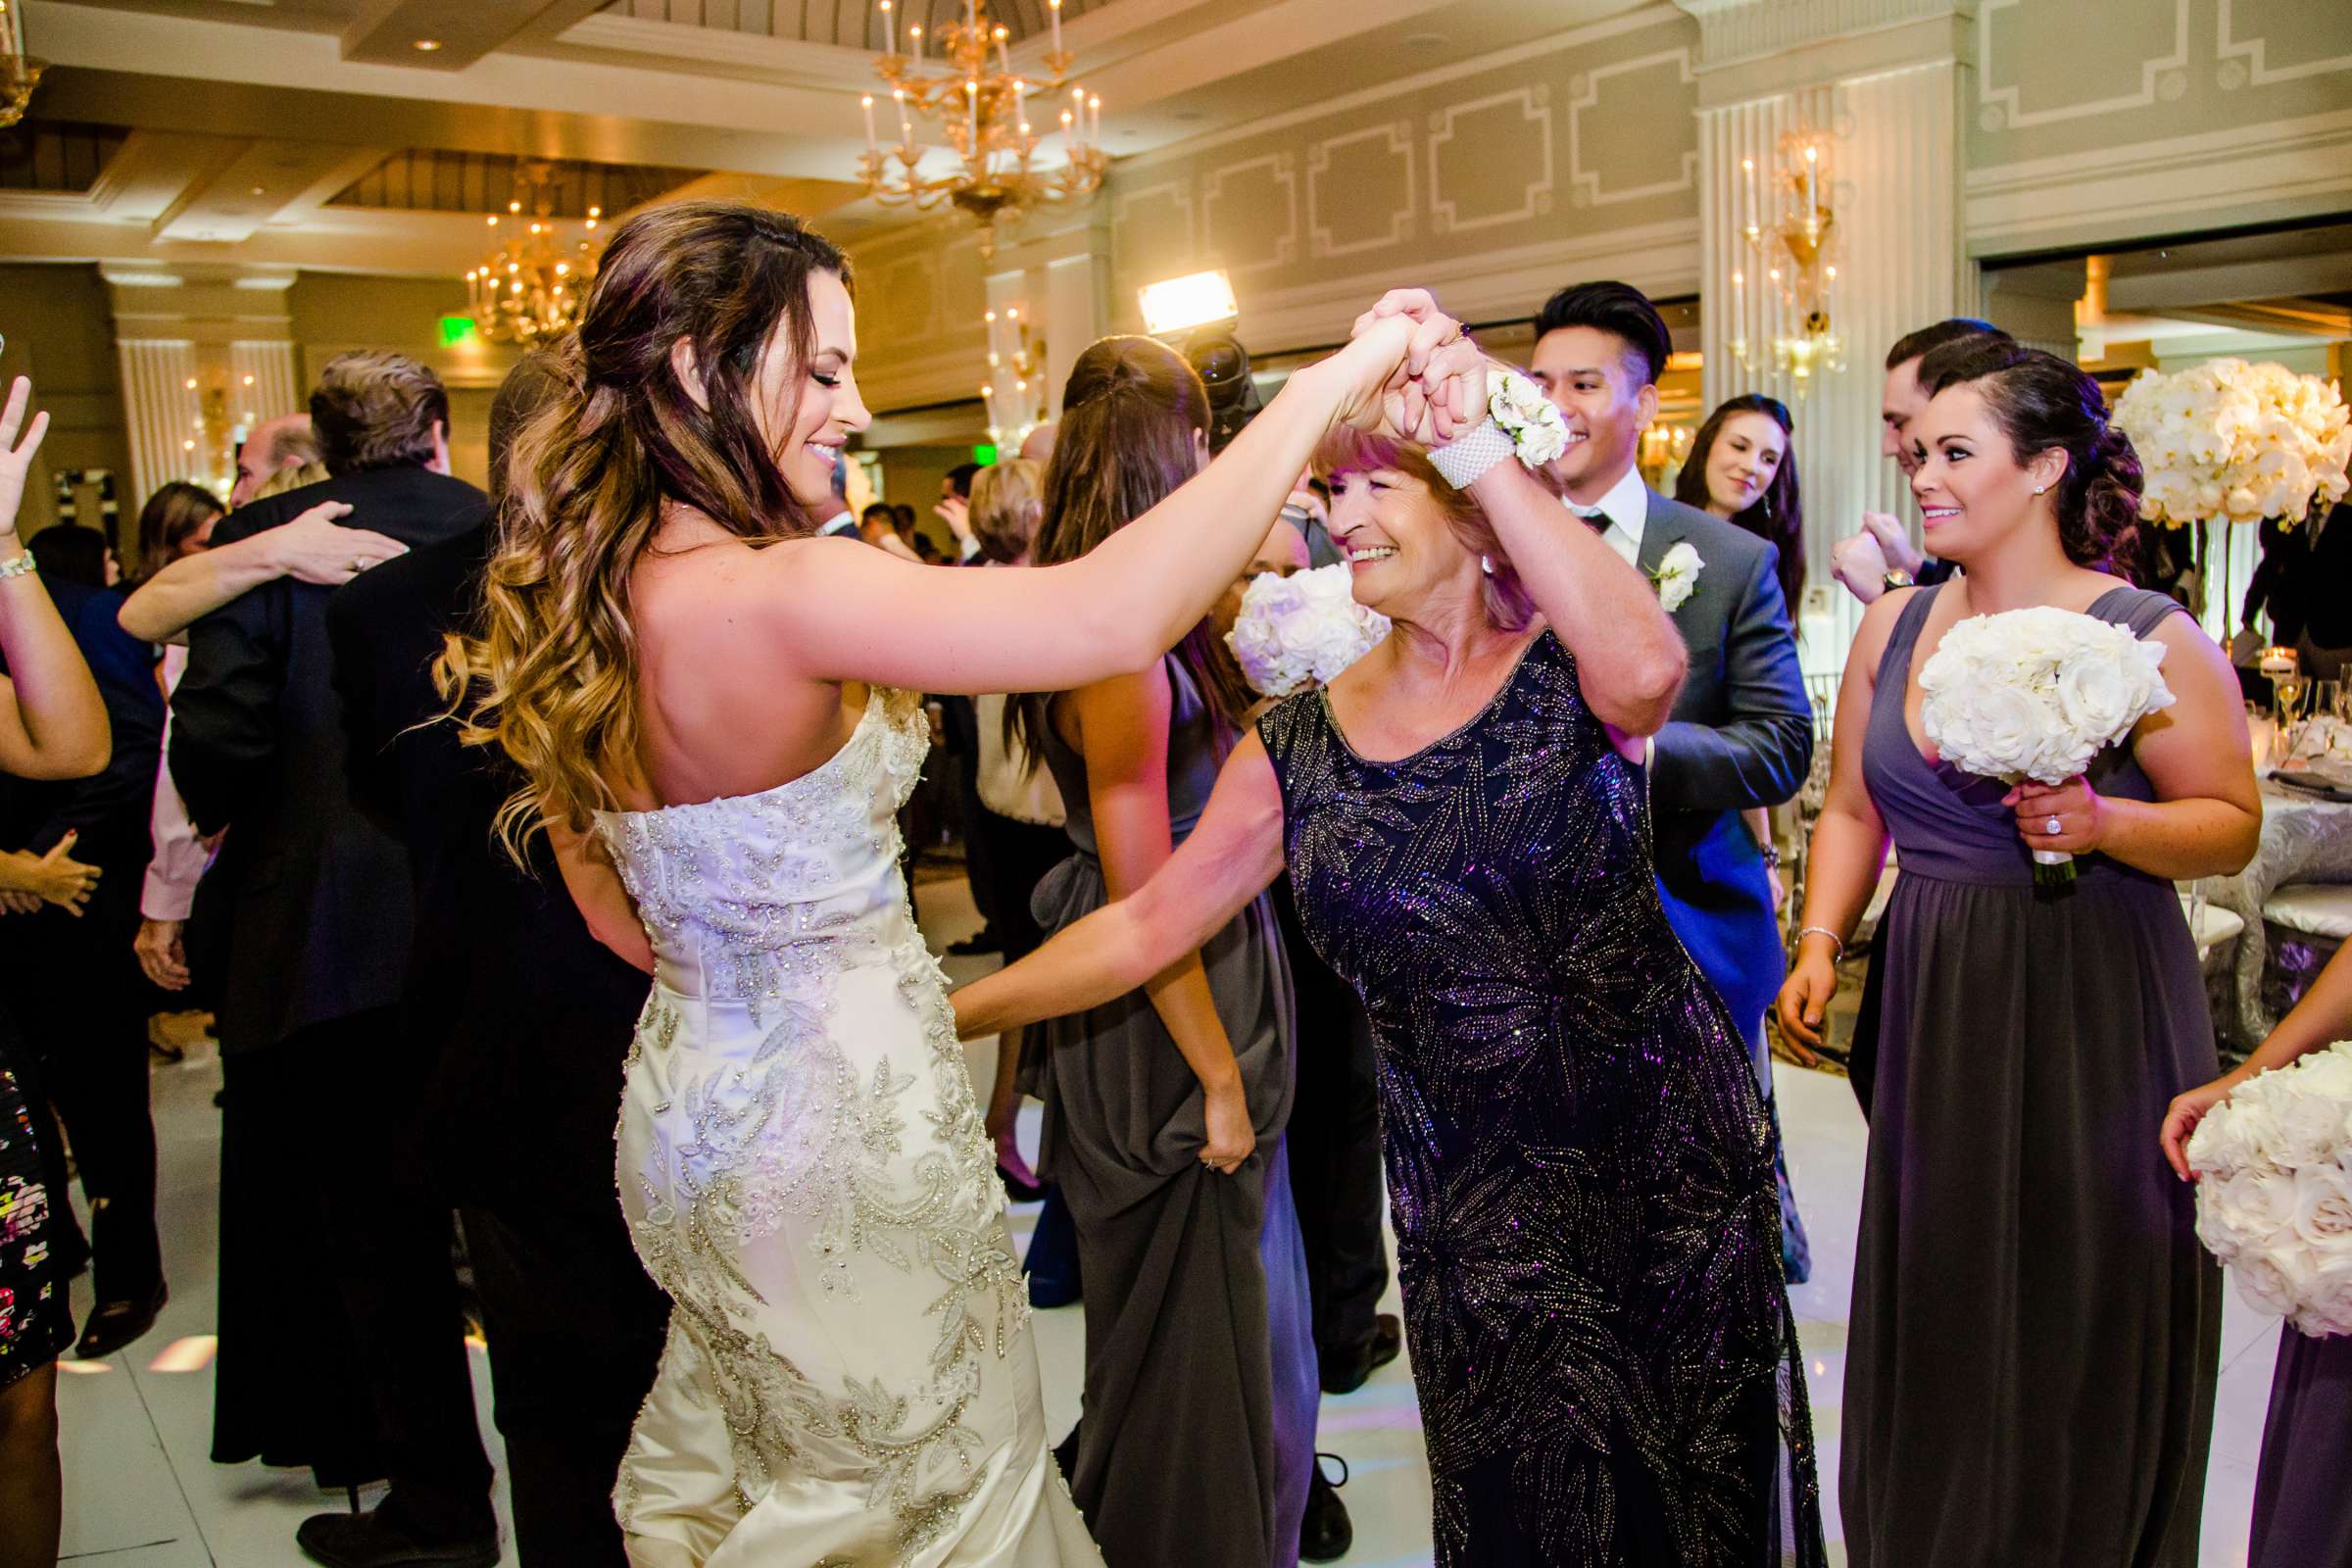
801,1154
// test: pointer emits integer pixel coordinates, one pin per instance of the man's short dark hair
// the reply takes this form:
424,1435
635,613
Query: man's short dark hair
1918,345
376,409
1620,310
961,476
880,509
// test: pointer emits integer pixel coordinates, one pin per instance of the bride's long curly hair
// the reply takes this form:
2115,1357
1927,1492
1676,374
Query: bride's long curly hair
550,674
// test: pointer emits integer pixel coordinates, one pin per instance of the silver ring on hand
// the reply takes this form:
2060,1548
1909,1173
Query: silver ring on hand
2053,827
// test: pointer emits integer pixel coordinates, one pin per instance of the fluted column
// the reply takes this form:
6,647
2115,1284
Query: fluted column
164,413
1889,101
263,382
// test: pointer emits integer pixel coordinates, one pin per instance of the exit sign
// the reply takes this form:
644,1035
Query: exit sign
456,329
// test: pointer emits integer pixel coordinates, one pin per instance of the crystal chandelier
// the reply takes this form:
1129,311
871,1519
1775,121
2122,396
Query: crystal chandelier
532,287
1015,394
984,114
1791,239
20,72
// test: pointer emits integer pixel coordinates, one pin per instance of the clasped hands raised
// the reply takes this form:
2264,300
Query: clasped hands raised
1411,373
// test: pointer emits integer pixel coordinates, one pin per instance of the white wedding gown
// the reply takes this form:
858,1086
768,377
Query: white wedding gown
850,1381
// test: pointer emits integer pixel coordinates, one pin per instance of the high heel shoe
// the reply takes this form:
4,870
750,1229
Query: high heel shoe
1019,1191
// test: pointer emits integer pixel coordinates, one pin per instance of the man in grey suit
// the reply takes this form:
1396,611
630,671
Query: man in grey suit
1741,734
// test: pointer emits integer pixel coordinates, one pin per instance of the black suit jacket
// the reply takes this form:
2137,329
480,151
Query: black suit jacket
314,895
1741,737
527,1017
2327,581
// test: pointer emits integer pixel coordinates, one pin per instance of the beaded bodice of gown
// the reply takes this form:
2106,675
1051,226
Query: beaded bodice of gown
802,1166
1578,1158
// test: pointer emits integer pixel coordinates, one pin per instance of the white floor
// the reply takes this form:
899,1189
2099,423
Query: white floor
141,1494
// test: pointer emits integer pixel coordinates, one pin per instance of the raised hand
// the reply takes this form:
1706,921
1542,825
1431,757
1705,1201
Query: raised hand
15,457
1446,391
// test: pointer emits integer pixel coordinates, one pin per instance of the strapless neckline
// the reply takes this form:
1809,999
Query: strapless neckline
875,704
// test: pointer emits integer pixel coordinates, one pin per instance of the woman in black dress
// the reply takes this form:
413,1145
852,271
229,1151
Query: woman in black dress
52,726
2031,1371
1579,1163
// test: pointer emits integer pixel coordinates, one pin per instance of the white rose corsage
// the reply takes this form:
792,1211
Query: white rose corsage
1521,422
1677,575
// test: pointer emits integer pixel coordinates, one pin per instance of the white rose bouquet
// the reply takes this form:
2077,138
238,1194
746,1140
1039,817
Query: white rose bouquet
2035,694
1301,628
2275,1188
2229,439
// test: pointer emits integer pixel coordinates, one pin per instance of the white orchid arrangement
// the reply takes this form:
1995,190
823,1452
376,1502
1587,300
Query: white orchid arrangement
2229,439
1677,574
1303,629
2037,694
2275,1188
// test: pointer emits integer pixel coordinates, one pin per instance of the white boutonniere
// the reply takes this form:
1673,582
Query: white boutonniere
1537,432
1676,576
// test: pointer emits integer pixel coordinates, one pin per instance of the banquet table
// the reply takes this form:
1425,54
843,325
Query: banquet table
2303,839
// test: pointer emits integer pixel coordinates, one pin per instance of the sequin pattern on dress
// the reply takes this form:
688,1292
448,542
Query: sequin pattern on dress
1579,1164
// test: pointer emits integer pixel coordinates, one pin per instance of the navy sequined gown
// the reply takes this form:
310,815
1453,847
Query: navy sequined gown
1579,1163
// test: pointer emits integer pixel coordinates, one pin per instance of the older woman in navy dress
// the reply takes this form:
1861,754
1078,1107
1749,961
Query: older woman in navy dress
1578,1156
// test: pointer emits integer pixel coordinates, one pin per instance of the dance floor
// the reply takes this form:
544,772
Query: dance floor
141,1494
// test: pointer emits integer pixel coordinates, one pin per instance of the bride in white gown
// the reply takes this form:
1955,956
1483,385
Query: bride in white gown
710,708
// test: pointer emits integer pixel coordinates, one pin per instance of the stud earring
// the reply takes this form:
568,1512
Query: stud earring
2041,489
1486,563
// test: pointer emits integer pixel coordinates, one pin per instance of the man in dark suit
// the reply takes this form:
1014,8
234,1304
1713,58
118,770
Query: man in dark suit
1741,734
317,1149
73,978
527,1018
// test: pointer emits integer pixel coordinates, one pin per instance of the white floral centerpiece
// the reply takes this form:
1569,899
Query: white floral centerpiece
2035,694
1302,628
2275,1188
2226,439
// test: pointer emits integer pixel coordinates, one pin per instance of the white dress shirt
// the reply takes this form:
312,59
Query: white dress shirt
1627,507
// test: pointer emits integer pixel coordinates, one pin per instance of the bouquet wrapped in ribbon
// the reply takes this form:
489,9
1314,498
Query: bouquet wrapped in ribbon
1302,628
2273,1163
2035,694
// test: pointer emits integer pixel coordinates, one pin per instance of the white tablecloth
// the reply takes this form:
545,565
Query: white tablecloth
2303,839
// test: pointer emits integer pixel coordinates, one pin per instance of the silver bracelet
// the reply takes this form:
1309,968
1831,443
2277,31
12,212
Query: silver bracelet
1803,932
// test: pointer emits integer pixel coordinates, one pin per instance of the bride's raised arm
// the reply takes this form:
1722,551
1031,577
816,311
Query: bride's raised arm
855,613
1233,854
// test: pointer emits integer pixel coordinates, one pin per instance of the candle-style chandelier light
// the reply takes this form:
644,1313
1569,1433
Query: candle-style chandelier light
532,287
1790,234
20,72
1015,394
984,114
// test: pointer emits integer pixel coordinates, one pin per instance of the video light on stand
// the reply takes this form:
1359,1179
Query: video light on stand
1181,305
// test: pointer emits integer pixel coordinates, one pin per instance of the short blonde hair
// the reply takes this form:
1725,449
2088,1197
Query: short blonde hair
1007,504
1348,450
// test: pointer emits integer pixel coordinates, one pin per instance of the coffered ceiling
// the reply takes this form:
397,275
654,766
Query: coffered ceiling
324,133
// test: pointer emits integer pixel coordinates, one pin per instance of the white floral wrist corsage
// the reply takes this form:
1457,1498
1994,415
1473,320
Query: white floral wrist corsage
1521,422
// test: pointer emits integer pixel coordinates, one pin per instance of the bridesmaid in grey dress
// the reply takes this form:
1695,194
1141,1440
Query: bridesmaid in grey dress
1165,1108
2031,1370
2302,1498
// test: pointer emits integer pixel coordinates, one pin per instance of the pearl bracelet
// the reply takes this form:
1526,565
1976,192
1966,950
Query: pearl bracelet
17,567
